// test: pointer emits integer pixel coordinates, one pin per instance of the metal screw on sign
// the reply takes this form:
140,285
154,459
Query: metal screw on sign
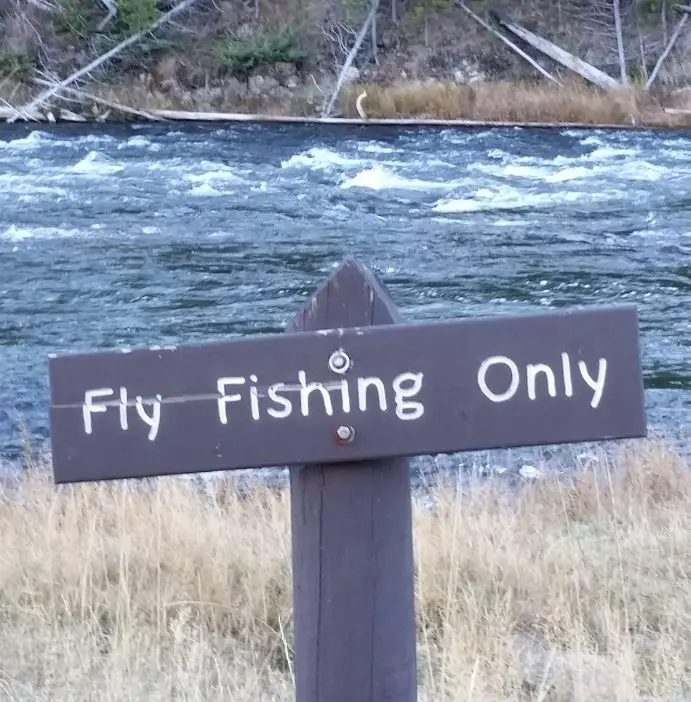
339,361
345,434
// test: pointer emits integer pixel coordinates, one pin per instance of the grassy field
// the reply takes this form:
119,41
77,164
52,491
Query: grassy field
562,590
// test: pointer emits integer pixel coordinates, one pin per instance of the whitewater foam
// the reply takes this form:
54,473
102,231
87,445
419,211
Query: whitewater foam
641,170
374,148
205,190
213,172
96,164
319,158
381,178
603,153
503,198
18,233
140,142
32,140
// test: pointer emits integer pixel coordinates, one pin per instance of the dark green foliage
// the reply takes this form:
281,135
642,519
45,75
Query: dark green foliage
135,15
421,7
74,18
264,49
649,7
79,19
15,64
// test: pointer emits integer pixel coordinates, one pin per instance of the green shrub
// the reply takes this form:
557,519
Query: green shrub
135,15
649,7
264,49
79,19
73,19
420,9
15,64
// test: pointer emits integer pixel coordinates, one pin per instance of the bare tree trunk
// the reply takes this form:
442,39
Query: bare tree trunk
350,58
641,46
373,39
667,50
663,17
573,63
616,7
506,41
426,25
394,11
47,94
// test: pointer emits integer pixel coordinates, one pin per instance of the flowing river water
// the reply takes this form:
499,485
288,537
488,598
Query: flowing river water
127,236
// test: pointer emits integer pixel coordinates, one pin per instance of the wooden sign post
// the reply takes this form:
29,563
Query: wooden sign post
344,398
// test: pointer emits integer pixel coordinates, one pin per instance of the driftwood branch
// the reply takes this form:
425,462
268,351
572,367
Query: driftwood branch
83,96
358,105
47,94
8,112
668,49
508,42
351,57
573,63
112,7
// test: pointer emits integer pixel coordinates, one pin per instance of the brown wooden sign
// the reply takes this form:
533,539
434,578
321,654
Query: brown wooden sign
343,398
348,395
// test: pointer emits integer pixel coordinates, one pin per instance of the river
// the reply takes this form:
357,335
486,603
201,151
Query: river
121,236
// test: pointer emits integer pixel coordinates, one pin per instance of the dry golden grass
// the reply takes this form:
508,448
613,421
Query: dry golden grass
578,591
502,101
492,102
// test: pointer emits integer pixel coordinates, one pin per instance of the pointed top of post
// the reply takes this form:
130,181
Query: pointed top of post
352,296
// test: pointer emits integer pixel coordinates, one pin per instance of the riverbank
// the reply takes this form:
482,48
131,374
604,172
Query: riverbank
498,103
577,587
450,60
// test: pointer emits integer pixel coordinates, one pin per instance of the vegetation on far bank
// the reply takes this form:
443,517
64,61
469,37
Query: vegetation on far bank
570,589
423,58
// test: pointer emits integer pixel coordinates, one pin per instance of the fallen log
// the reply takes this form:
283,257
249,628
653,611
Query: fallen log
7,113
561,56
46,95
84,96
508,42
182,116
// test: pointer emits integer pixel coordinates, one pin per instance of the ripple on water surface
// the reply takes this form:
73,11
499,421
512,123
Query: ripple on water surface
153,235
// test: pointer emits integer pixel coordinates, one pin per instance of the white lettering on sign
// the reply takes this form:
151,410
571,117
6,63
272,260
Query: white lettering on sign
323,397
540,378
274,400
513,385
90,407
